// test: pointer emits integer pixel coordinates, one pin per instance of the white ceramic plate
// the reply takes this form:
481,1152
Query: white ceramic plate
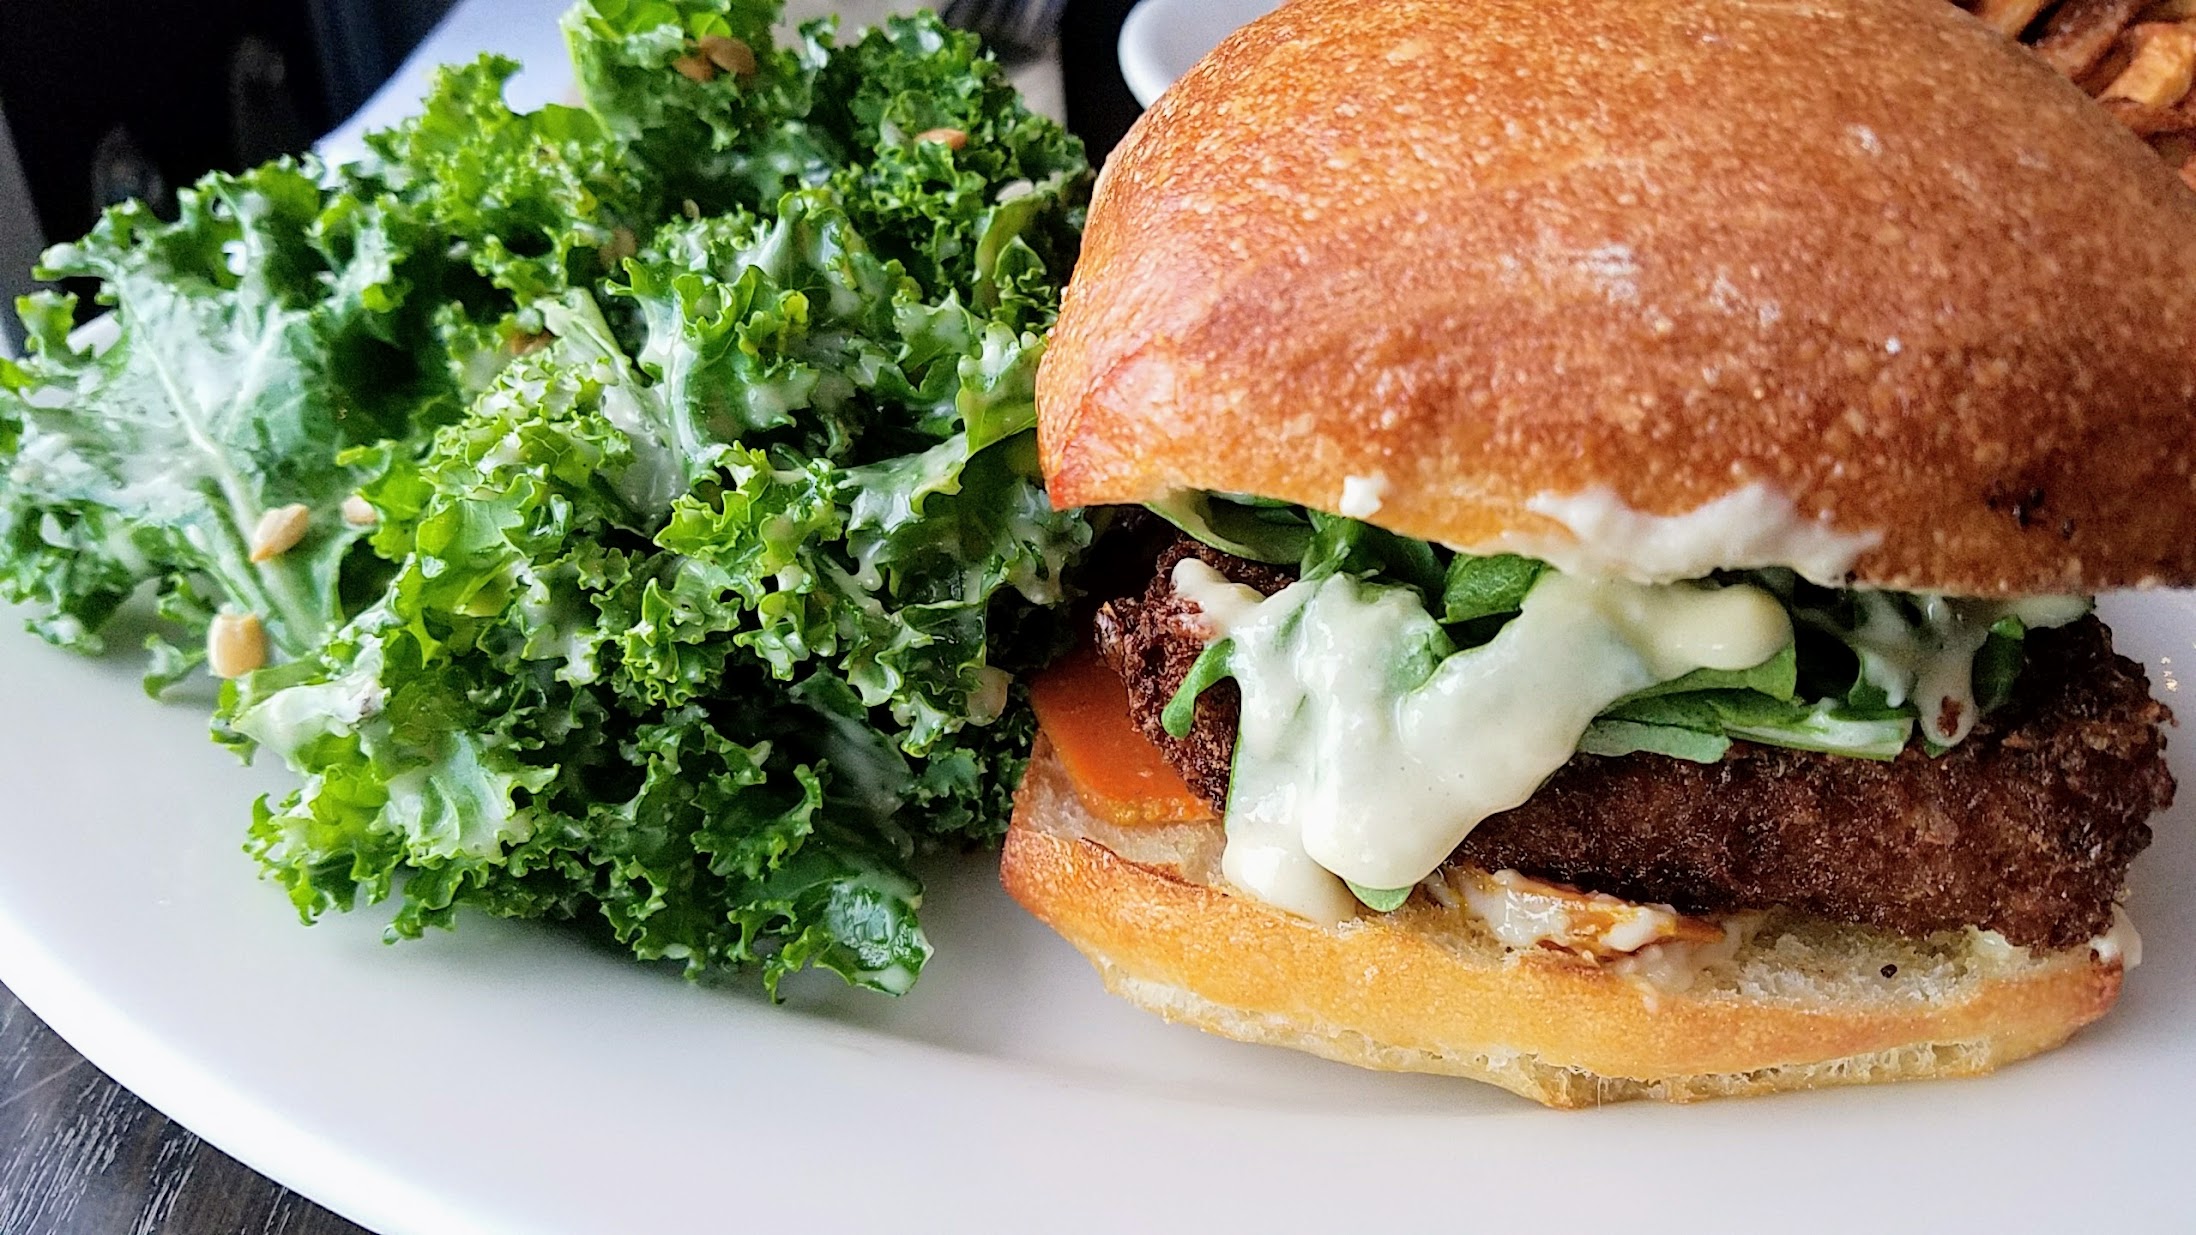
506,1079
1162,38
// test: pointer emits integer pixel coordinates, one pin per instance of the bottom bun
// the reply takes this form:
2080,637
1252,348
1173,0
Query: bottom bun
1804,1003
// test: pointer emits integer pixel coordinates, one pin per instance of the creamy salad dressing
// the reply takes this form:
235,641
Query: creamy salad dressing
1362,495
2120,942
1523,913
1360,760
1932,662
1753,526
1673,966
1656,948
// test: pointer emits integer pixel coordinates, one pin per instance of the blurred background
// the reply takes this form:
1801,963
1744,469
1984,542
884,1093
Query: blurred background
103,100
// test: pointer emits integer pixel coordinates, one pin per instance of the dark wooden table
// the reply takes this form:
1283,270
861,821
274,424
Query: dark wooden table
80,1156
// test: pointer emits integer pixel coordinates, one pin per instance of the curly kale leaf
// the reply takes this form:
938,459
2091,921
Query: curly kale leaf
254,339
704,551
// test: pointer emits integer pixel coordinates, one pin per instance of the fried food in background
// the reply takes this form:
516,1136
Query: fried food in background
2136,58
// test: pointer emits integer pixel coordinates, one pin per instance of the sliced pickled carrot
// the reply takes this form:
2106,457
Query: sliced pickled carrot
1083,707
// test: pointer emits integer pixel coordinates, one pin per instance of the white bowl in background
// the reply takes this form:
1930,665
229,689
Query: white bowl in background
1162,38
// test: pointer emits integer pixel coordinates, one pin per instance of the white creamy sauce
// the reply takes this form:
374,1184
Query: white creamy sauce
1932,662
1749,527
1656,948
1996,948
286,720
1222,604
1362,495
1519,920
1524,913
1353,763
1672,966
2119,943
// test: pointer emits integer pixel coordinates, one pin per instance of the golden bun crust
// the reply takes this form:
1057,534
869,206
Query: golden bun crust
1804,1005
1865,253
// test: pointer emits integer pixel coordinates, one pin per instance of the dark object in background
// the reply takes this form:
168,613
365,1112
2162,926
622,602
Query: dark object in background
1099,106
1017,31
110,99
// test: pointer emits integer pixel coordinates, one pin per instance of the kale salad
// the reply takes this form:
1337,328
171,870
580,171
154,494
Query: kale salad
624,514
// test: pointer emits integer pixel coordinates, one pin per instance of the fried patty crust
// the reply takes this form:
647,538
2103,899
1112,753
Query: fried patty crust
2025,828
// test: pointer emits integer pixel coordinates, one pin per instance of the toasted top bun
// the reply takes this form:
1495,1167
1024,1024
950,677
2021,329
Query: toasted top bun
1864,264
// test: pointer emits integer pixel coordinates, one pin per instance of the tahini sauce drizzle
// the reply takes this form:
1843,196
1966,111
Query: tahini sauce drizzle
1932,662
1342,773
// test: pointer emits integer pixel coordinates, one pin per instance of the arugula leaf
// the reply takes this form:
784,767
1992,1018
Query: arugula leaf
1340,544
1998,664
1270,532
1212,664
1606,736
1776,677
1479,587
1694,717
1825,725
1830,727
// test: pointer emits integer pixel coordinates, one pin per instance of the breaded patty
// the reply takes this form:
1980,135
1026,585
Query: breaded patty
2025,828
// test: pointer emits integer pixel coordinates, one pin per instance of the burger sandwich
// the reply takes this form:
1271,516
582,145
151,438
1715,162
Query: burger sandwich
1629,481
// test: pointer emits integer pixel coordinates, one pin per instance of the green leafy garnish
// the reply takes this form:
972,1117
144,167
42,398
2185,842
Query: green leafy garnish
1825,692
1261,531
1347,545
1212,664
1607,736
702,551
1825,725
1998,664
1482,587
255,339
